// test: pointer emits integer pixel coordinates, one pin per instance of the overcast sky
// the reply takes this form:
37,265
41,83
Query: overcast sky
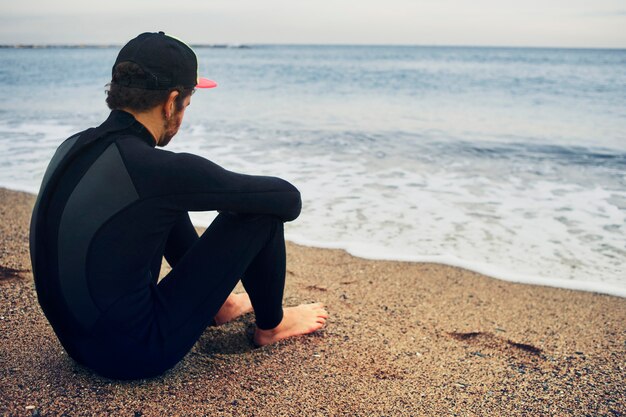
567,23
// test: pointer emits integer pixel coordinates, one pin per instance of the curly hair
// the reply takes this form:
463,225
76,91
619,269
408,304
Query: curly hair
119,96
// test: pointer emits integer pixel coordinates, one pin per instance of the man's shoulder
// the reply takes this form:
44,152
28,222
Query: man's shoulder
77,135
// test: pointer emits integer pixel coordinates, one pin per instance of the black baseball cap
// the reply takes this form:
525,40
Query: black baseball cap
166,61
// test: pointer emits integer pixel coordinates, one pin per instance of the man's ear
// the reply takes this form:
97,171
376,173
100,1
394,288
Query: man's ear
170,104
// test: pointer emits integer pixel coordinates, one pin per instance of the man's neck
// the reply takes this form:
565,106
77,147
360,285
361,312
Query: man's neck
151,120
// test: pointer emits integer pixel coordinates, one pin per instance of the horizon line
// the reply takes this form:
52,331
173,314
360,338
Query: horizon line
238,45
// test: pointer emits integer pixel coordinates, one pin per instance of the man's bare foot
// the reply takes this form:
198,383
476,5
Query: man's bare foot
303,319
234,306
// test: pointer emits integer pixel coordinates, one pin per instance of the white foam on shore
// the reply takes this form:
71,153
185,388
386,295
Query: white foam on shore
366,251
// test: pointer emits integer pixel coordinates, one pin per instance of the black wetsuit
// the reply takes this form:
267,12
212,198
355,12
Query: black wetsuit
111,205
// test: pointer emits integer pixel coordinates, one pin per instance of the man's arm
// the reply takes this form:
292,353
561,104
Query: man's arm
193,183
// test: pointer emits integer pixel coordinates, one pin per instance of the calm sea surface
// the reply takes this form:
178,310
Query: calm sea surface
510,162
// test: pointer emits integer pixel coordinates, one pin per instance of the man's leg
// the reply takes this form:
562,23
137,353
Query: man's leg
181,238
261,282
231,248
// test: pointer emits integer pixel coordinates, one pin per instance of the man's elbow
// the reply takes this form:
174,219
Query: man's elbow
293,206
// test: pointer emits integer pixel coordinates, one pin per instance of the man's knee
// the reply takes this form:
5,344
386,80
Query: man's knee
252,220
249,218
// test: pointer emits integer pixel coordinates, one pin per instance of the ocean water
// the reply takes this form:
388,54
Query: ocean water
506,161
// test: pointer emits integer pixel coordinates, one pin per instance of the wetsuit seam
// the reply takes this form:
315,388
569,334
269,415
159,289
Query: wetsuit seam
93,299
124,160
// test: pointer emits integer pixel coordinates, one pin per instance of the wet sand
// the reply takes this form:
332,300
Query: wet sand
403,339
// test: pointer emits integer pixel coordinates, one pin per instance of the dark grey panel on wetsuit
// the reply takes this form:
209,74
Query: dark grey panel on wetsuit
62,150
104,190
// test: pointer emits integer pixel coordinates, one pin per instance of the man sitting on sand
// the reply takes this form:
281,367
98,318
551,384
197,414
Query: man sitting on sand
111,205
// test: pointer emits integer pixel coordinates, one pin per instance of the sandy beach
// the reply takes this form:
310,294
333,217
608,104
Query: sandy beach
404,339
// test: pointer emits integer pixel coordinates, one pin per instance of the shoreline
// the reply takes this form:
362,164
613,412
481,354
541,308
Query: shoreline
491,271
403,338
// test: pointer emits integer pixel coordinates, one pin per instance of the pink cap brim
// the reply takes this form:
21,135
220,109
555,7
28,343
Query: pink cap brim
205,83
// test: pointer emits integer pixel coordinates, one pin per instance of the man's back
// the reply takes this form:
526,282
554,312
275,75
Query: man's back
110,209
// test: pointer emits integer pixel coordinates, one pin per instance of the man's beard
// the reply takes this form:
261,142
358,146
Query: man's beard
170,128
